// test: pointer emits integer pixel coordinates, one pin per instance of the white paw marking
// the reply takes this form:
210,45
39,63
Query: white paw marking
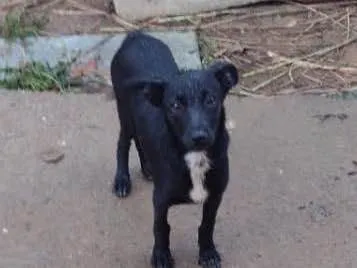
198,164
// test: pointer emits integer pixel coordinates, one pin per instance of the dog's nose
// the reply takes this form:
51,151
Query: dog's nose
200,138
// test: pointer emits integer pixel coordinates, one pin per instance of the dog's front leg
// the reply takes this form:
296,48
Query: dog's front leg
208,255
161,255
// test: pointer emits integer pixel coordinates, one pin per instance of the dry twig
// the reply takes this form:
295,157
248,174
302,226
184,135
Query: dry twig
319,20
123,22
267,82
247,13
313,79
47,5
65,12
87,8
318,12
319,52
343,80
244,92
311,65
112,29
348,24
116,18
289,9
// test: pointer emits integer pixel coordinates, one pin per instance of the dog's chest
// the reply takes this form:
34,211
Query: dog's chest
198,165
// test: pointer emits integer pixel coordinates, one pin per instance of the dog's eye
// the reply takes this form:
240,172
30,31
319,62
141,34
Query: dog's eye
211,100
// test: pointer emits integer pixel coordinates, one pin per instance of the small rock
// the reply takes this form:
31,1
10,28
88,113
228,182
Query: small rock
5,231
62,143
52,156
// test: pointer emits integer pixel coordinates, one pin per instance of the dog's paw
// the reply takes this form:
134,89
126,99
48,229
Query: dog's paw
122,186
210,258
162,259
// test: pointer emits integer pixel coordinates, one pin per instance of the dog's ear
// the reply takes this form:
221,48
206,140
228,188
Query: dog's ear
154,92
153,89
226,74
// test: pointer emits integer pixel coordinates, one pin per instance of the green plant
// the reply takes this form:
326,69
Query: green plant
20,24
207,49
36,76
344,95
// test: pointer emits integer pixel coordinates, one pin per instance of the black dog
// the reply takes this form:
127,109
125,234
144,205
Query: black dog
177,121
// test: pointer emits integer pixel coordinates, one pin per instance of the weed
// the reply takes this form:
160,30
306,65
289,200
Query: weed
20,24
36,76
207,49
344,95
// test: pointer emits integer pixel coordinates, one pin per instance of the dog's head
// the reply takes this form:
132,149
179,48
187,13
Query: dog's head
193,101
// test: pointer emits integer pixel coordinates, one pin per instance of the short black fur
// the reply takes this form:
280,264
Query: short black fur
169,113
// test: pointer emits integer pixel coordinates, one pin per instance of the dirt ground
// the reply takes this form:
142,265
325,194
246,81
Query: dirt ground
291,200
279,49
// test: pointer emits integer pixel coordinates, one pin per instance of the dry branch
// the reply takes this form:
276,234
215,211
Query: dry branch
87,8
311,65
316,53
244,92
314,10
65,12
267,82
116,18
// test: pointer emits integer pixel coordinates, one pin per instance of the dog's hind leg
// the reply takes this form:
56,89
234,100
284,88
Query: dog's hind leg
122,182
145,165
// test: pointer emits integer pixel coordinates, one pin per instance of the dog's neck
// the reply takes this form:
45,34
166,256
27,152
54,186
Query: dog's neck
198,164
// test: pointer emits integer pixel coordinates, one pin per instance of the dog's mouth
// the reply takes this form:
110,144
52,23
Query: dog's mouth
199,145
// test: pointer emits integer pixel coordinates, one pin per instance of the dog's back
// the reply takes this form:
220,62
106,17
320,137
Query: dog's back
141,56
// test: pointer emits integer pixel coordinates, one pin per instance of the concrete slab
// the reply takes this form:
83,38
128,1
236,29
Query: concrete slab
291,201
128,9
101,47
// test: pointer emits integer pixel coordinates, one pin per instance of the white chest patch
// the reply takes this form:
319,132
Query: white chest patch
198,164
